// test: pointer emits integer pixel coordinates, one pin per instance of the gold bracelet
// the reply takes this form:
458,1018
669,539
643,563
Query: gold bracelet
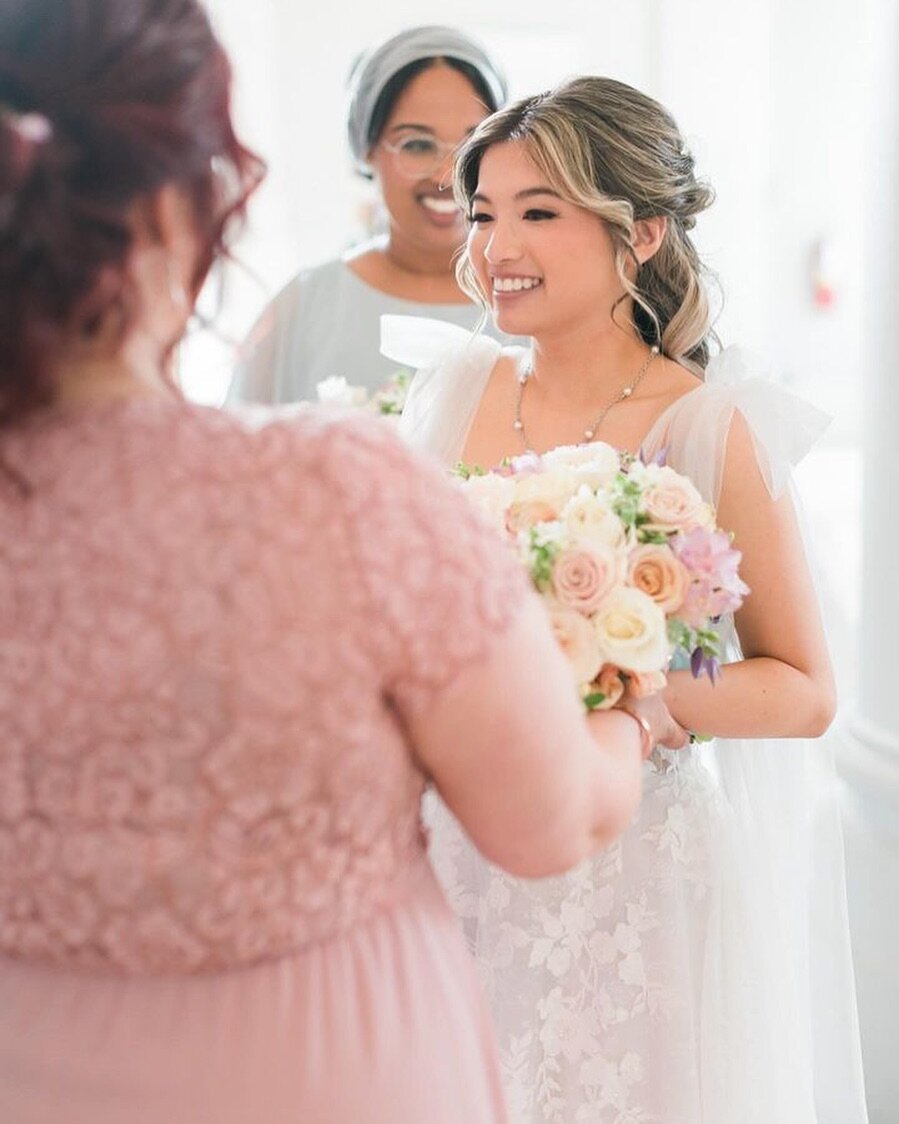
647,741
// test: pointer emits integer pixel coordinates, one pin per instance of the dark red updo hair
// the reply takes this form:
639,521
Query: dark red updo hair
102,103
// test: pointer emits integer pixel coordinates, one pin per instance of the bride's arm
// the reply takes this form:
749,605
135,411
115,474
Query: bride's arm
784,686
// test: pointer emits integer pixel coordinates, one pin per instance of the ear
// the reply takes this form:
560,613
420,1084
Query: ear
163,219
648,236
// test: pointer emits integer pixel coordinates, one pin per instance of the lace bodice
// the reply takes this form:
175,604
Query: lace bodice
209,636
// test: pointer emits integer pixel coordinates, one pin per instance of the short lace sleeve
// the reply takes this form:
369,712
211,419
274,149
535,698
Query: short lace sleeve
437,583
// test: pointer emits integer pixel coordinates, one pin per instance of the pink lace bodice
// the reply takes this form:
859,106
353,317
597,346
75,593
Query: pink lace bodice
209,635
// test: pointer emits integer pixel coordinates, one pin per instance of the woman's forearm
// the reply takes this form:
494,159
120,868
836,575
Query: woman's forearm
616,783
761,697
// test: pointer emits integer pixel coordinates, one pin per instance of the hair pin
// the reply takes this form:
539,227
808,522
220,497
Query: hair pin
34,128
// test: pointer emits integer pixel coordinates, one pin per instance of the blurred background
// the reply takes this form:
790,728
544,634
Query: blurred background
791,111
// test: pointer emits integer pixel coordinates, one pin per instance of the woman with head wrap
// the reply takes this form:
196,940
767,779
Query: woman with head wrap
412,100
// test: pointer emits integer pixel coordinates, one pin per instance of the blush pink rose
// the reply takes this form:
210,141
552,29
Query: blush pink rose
582,579
578,641
673,503
608,683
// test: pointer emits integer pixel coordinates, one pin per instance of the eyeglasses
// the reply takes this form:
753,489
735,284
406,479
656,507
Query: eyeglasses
418,156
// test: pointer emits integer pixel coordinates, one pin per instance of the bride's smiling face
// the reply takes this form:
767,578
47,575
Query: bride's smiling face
546,264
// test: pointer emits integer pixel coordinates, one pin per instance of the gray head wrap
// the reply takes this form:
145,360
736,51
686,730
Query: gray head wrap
374,69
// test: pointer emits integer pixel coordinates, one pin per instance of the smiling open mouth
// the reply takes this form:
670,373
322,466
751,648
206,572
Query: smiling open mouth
515,284
439,206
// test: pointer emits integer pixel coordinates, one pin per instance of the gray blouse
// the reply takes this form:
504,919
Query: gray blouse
327,321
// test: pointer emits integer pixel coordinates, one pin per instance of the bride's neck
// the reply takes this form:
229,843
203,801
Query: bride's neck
580,366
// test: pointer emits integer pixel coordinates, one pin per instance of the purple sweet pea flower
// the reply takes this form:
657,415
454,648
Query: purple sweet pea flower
711,560
660,459
700,662
527,463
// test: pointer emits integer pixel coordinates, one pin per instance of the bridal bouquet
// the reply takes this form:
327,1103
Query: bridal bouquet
387,401
627,557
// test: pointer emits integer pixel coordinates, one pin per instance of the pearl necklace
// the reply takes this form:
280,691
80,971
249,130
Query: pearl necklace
590,432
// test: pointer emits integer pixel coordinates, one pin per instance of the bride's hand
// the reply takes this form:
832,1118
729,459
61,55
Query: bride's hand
666,731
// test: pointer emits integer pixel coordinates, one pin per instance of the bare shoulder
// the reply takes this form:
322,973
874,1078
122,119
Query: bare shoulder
742,480
503,381
674,380
491,437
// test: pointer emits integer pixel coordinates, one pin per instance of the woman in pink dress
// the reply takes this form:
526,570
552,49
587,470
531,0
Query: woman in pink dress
230,656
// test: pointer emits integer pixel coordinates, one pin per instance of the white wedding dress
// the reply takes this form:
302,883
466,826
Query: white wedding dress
699,971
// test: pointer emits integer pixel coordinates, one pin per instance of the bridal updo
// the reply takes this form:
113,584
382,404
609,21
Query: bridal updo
102,103
608,148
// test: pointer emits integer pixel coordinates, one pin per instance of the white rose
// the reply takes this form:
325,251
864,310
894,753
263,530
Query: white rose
631,631
492,494
596,464
643,474
590,520
553,488
336,391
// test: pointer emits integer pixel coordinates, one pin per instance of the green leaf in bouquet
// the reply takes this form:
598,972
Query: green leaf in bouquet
648,534
543,557
709,641
681,635
391,398
465,472
542,554
627,497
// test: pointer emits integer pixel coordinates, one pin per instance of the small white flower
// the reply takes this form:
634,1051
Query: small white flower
590,519
336,391
551,533
492,493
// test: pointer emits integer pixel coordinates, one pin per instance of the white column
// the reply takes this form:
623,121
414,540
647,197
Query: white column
870,761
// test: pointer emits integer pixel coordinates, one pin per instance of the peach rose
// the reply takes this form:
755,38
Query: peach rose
578,641
659,574
607,683
648,683
631,631
524,514
673,502
582,579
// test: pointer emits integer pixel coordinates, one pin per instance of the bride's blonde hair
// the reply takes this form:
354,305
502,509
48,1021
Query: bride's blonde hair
608,148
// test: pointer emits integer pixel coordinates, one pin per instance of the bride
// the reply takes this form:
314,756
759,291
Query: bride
699,972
